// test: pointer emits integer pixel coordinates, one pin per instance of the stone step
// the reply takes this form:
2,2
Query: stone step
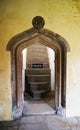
37,94
34,83
39,86
38,78
38,60
37,90
37,71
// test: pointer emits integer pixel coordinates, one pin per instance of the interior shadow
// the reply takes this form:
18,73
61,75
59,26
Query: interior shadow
39,78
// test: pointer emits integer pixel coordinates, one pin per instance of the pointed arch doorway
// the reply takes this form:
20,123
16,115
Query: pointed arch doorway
24,40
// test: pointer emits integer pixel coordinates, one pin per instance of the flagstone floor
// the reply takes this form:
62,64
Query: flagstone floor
40,115
42,122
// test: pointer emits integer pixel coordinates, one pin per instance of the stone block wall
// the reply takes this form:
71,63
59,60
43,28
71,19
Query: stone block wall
37,54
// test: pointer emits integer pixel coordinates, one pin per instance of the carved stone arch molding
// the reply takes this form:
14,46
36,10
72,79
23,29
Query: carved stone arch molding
49,39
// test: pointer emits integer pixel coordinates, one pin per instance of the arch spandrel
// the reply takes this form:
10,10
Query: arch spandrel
32,33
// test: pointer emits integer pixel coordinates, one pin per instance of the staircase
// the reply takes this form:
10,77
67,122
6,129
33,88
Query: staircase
37,71
37,82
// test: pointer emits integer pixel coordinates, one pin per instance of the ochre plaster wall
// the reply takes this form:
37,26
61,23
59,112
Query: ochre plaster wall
62,17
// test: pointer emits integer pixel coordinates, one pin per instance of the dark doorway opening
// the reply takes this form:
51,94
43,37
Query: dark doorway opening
39,84
37,72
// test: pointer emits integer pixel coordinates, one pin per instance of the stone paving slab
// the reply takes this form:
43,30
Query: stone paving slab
40,126
78,127
36,109
78,118
32,119
9,128
9,123
73,127
72,121
56,123
13,128
3,128
42,122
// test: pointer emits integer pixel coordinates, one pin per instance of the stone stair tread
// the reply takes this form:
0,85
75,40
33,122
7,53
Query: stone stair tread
38,91
38,69
38,82
38,75
37,72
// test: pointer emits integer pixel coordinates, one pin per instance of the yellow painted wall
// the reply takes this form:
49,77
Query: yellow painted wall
62,17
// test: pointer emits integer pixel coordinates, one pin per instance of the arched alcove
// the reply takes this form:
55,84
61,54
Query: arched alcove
24,40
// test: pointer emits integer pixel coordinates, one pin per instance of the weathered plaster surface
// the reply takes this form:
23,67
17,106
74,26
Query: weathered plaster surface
62,17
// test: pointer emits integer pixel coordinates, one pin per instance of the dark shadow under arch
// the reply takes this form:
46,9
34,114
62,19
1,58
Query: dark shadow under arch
49,39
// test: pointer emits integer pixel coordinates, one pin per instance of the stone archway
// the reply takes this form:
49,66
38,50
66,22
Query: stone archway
24,40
